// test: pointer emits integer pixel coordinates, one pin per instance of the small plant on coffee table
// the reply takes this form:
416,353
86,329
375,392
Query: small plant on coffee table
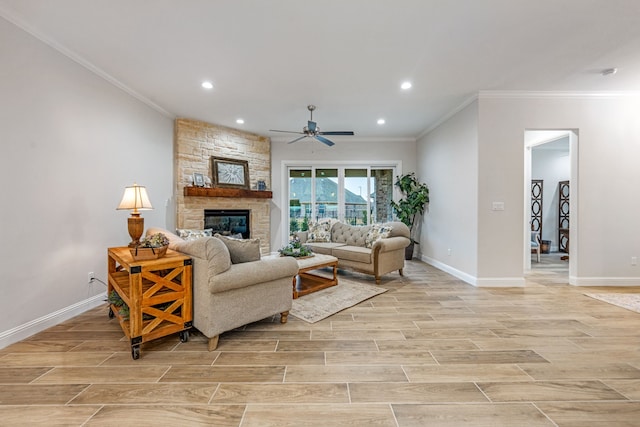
295,249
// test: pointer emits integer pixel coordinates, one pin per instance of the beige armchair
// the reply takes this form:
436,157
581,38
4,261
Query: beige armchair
227,296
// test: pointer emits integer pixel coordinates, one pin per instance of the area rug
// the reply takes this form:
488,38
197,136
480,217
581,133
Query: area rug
628,301
319,305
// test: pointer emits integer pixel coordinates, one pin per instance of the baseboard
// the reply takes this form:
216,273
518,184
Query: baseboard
604,281
38,325
510,282
497,282
448,269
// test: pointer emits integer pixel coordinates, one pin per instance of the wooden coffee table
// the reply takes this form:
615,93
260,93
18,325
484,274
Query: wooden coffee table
304,282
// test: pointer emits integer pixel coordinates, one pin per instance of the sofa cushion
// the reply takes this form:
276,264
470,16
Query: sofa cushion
349,234
323,248
241,250
319,232
377,232
190,234
353,253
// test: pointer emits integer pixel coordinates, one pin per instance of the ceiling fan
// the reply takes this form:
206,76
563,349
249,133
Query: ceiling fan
312,130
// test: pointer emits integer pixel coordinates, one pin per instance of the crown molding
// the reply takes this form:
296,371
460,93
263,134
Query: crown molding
447,116
281,139
506,94
9,17
509,94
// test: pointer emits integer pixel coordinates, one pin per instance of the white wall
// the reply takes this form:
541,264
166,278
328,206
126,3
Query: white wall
552,166
346,149
447,163
70,144
608,233
605,238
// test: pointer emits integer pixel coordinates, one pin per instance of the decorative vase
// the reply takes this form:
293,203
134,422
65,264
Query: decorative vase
141,253
408,251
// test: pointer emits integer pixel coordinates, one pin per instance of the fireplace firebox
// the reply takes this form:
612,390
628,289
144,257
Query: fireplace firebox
228,222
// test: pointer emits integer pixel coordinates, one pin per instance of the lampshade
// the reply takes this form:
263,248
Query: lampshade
135,198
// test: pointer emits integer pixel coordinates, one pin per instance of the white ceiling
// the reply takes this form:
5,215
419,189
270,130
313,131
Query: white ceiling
269,59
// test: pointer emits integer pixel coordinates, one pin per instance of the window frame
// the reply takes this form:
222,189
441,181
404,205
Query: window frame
341,166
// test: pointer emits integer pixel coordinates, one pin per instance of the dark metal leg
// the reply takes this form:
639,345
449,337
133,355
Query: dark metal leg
135,352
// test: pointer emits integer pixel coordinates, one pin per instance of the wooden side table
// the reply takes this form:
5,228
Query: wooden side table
157,292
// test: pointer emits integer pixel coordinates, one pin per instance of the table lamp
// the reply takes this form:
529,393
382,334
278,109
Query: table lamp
135,198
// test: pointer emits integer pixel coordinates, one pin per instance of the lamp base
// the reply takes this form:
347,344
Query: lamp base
136,227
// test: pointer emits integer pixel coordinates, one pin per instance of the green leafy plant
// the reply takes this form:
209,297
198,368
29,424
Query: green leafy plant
116,301
157,240
295,249
305,224
414,202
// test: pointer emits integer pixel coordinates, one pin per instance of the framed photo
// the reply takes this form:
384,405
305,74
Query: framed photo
230,172
198,180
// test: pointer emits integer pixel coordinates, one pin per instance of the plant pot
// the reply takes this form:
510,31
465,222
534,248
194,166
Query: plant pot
142,254
408,251
544,246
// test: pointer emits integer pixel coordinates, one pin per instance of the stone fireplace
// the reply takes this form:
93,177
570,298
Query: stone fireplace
195,143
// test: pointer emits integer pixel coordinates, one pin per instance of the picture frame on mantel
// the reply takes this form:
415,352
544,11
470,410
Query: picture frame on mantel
230,173
198,180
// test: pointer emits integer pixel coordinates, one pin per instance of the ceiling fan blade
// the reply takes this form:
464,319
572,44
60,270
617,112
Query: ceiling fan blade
341,132
311,126
324,140
297,139
285,131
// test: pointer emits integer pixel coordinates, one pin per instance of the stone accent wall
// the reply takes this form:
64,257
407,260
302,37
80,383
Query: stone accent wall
384,194
194,144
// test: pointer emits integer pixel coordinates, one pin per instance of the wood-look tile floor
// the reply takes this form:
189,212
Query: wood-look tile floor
432,351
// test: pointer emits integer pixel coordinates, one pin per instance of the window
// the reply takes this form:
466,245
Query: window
356,203
358,195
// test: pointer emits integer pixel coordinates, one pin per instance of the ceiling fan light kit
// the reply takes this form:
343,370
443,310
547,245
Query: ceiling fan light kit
312,130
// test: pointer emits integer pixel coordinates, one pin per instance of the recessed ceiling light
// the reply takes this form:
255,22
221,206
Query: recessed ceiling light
405,85
609,71
207,85
240,121
381,121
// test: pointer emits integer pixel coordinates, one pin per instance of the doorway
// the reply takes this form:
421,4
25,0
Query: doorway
551,157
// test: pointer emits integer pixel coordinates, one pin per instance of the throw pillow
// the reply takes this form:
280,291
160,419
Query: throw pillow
189,234
377,232
319,232
241,250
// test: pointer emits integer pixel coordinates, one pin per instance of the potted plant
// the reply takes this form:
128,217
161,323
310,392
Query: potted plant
151,247
415,200
296,249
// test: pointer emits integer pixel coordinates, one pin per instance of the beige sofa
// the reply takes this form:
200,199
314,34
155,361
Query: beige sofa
348,243
227,296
